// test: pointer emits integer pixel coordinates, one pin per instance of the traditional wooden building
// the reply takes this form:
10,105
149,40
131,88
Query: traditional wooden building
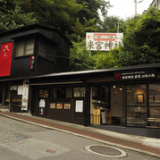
43,85
27,52
128,96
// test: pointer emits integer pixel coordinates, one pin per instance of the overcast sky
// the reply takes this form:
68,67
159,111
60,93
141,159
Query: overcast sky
126,8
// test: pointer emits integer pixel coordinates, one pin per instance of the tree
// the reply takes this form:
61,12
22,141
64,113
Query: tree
80,29
110,24
59,13
13,17
105,60
80,58
142,39
91,9
7,5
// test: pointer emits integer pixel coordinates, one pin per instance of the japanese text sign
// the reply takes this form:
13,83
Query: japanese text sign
6,59
135,75
103,41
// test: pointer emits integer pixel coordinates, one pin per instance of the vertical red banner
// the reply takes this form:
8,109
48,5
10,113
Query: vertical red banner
6,59
31,66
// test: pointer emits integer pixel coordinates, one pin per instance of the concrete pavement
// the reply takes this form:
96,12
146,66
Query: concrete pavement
142,144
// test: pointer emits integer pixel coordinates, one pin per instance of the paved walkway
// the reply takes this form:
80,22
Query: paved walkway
142,144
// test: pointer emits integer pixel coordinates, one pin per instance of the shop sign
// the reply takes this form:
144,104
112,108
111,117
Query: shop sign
103,41
25,93
135,75
32,58
6,59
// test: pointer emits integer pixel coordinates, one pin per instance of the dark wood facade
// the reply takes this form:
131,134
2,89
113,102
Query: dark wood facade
40,67
145,75
34,50
51,51
62,109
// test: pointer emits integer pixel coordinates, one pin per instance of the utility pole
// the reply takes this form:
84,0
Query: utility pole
118,27
157,3
135,1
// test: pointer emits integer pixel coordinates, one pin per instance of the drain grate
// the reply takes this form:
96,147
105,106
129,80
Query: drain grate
106,151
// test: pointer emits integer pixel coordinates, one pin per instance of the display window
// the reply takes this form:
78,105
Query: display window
136,105
44,93
154,104
62,93
79,92
154,95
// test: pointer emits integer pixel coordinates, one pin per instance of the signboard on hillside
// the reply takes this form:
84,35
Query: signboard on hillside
103,41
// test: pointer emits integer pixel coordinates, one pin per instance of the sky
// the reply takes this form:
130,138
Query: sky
126,8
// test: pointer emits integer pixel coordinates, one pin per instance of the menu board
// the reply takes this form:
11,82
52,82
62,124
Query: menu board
59,106
79,106
67,106
52,105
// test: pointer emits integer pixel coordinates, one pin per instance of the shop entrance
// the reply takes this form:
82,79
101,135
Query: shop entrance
108,105
118,105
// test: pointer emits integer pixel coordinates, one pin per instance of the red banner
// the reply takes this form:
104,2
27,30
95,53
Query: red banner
6,59
31,66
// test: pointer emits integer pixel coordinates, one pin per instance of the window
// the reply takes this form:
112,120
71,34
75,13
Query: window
154,100
154,95
136,95
79,92
44,93
136,105
24,47
59,93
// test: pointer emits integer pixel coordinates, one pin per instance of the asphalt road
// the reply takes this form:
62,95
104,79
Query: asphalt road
23,141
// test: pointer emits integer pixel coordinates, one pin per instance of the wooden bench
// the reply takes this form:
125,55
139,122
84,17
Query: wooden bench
154,120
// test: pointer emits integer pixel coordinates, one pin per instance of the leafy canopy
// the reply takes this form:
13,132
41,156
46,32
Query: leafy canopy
80,58
12,16
142,39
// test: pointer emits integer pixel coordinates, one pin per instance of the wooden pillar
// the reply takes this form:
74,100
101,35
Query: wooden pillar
87,106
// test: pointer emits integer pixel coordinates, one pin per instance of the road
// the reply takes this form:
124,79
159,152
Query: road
23,141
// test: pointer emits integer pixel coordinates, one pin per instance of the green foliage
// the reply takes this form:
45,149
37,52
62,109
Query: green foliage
80,29
80,58
91,9
59,13
110,24
7,5
12,16
105,60
142,39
